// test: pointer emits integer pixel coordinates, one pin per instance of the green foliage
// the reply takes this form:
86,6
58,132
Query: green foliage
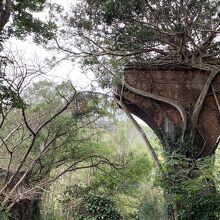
8,98
51,216
32,18
3,215
44,99
105,73
113,33
26,22
124,147
100,207
67,124
131,25
23,22
152,206
127,187
192,189
126,179
198,206
27,18
90,206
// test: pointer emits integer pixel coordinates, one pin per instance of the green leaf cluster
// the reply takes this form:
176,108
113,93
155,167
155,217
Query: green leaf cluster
28,18
100,207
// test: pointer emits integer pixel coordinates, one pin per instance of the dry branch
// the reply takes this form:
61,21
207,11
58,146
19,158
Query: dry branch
143,135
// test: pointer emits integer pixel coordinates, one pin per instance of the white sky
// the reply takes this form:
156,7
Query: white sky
65,71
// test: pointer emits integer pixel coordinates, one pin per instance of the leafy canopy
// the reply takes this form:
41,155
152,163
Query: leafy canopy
185,30
28,17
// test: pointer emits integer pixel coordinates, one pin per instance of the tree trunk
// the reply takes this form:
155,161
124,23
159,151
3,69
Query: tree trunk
165,96
25,210
25,206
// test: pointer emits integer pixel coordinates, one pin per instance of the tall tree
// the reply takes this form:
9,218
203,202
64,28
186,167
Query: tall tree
51,132
179,31
177,94
20,19
23,18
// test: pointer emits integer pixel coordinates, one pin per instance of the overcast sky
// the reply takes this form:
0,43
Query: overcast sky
66,70
65,2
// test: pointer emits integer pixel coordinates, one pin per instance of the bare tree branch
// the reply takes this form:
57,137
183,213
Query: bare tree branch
143,135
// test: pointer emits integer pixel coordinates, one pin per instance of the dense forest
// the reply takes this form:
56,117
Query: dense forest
109,109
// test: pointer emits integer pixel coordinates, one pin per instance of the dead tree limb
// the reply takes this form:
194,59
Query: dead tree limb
142,133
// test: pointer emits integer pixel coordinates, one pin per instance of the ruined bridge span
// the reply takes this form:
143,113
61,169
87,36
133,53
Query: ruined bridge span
181,85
